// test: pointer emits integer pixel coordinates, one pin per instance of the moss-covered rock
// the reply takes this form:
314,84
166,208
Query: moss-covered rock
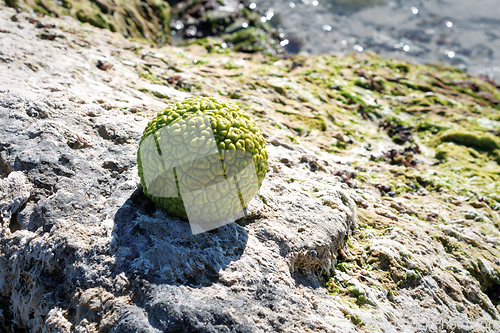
480,141
219,30
145,19
418,164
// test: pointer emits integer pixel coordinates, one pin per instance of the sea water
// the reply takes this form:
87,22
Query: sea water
463,33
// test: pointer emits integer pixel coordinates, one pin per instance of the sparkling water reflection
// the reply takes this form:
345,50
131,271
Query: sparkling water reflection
463,33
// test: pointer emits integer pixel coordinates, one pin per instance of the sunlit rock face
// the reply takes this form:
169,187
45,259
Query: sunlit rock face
378,210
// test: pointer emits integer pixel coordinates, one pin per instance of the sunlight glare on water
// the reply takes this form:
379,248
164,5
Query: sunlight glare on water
417,31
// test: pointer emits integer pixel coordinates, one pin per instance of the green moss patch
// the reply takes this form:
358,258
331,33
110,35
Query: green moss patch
143,19
479,141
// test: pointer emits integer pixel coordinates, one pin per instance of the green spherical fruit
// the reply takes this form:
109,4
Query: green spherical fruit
202,159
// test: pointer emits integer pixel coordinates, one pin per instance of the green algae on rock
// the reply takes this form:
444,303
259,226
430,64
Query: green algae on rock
257,37
202,159
143,19
480,141
432,247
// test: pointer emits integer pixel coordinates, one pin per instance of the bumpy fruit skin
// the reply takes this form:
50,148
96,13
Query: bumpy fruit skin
237,138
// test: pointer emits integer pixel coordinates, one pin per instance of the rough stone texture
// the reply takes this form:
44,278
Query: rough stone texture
89,251
83,250
94,245
15,190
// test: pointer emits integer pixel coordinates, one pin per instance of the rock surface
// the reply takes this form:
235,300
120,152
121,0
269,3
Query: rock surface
143,19
334,242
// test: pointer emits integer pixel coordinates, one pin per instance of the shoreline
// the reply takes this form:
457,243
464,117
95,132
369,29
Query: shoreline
456,33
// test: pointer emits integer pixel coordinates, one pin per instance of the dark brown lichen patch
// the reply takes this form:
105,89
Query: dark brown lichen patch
5,168
397,131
